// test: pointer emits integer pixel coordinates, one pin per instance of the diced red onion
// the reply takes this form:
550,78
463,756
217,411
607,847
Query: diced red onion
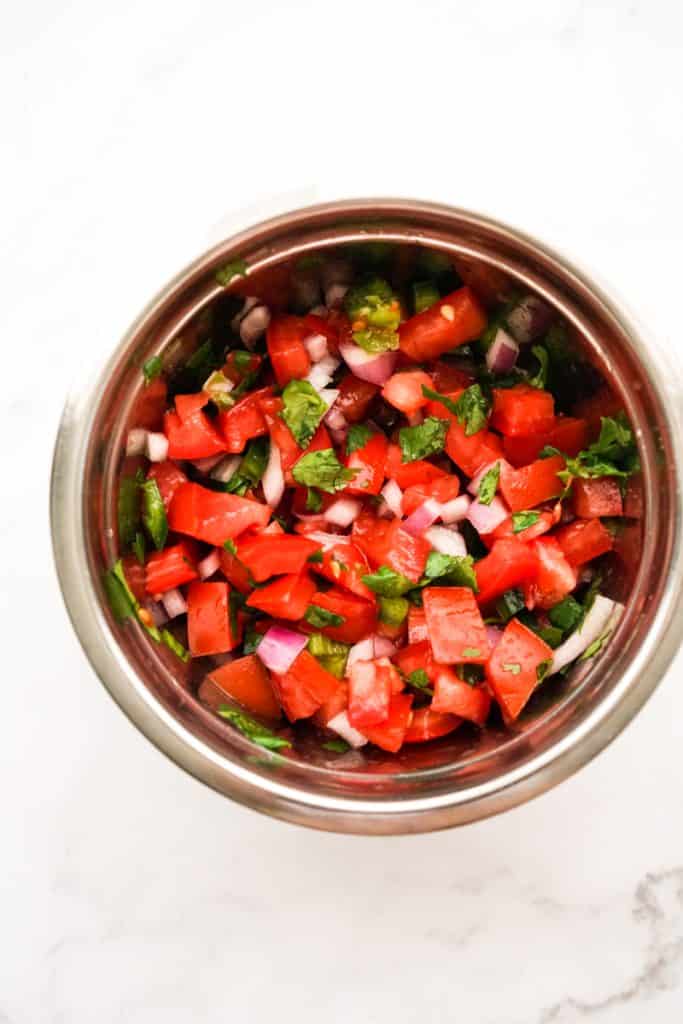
226,468
249,303
335,419
485,518
156,610
273,480
602,617
372,367
253,325
530,318
502,355
475,483
341,725
393,495
207,464
374,646
321,373
494,636
423,517
280,647
446,541
343,511
316,346
455,510
174,603
136,442
209,565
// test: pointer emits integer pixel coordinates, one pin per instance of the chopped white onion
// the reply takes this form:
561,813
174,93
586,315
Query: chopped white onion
393,495
209,565
156,610
316,346
156,448
249,303
226,468
280,647
136,442
486,518
446,541
502,355
253,325
207,464
174,603
602,617
341,725
455,510
374,646
321,373
273,480
372,367
325,540
343,511
423,517
335,419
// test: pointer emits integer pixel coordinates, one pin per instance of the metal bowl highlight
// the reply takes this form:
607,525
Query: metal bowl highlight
458,779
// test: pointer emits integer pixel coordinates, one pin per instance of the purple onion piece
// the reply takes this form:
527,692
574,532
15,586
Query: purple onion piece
530,318
502,355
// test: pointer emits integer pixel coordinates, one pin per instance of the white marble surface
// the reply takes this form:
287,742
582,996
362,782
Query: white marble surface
130,133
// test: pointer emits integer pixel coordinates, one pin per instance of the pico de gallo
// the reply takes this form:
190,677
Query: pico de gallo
377,501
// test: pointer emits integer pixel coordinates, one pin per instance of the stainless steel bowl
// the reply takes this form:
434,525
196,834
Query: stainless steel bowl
461,778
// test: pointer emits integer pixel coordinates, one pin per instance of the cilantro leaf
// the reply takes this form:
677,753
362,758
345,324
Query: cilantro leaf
420,681
235,268
314,500
566,615
540,379
523,520
542,670
472,410
511,602
425,294
230,546
513,667
315,558
358,436
548,451
322,469
336,746
456,570
152,368
320,617
613,454
446,402
252,729
302,411
392,610
174,645
426,439
595,647
488,485
251,641
388,583
154,513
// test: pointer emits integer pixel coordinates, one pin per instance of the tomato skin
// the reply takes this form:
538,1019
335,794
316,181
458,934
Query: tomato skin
285,340
237,373
583,540
244,421
533,484
456,630
443,489
355,396
592,409
448,377
303,689
286,597
187,405
599,497
369,462
208,621
555,577
404,390
345,564
280,434
547,519
470,454
417,625
390,734
168,477
429,334
369,695
405,553
196,438
236,573
213,516
428,724
568,434
334,705
265,558
170,568
456,697
150,405
522,410
360,616
369,533
244,680
519,647
409,474
417,655
509,563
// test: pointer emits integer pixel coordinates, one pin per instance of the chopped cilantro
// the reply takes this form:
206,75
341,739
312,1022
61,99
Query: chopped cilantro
322,469
425,294
320,617
488,485
513,667
420,681
471,652
302,411
387,583
235,268
511,602
336,746
613,454
523,520
453,570
566,615
315,558
358,436
540,378
314,500
548,451
427,438
252,729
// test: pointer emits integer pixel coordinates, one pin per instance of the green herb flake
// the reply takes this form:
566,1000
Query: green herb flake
513,667
393,610
523,520
471,652
615,453
511,602
336,746
425,294
489,484
542,670
251,641
235,268
322,469
314,500
566,615
358,436
540,378
152,368
139,547
174,645
319,617
315,558
595,647
426,439
450,570
154,513
236,603
230,546
252,729
548,451
420,681
251,468
388,583
302,411
242,360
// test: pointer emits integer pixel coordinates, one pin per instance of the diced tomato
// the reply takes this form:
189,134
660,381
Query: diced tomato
196,438
390,734
547,519
388,671
135,577
555,577
405,553
280,434
404,390
509,563
430,725
213,516
597,497
583,540
355,396
187,405
264,557
244,421
208,621
454,696
512,671
360,617
524,488
522,410
417,655
409,474
568,434
236,573
334,705
248,363
455,626
417,625
285,341
303,689
454,320
345,564
370,534
603,403
443,489
368,462
168,477
369,695
170,568
470,454
150,405
244,680
448,377
287,597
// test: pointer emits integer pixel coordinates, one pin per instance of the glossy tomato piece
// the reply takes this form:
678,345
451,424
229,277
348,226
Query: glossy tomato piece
236,573
345,564
470,454
360,617
370,534
236,369
213,516
415,656
244,421
547,519
150,405
455,627
244,680
303,689
428,725
522,410
168,477
510,563
354,398
512,671
454,696
447,377
594,498
555,577
187,405
443,489
409,474
404,552
285,340
583,540
368,462
208,621
334,705
369,695
404,390
390,734
265,557
452,321
568,434
417,625
170,568
287,597
533,484
196,438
